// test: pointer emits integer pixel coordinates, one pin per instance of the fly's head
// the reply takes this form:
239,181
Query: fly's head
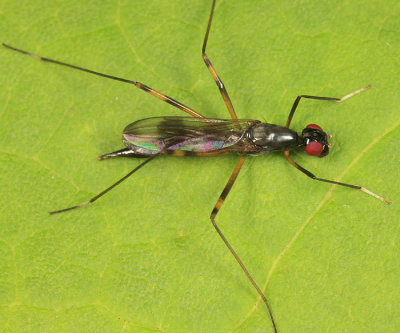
315,141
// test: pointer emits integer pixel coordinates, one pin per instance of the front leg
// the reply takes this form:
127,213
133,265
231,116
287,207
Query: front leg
311,175
335,99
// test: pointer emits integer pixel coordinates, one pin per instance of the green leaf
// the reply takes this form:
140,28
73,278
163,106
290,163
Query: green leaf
145,258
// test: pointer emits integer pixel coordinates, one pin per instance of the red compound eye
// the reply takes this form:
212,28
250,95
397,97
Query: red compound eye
314,148
314,126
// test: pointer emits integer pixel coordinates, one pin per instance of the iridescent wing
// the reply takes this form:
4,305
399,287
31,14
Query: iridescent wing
158,134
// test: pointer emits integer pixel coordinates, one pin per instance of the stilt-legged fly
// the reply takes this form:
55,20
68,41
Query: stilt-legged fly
201,136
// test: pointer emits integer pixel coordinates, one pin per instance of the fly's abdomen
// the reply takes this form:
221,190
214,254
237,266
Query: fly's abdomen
154,135
196,144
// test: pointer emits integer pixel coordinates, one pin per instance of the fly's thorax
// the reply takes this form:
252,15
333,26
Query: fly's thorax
272,137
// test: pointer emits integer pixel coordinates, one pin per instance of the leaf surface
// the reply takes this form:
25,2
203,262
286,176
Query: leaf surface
145,257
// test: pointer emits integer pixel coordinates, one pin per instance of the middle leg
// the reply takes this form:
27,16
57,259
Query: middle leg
212,70
217,206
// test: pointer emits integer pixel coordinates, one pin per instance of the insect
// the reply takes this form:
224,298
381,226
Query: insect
201,136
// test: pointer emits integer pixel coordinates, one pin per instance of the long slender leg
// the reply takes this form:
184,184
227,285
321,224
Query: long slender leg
217,206
139,85
335,99
311,175
106,190
212,70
